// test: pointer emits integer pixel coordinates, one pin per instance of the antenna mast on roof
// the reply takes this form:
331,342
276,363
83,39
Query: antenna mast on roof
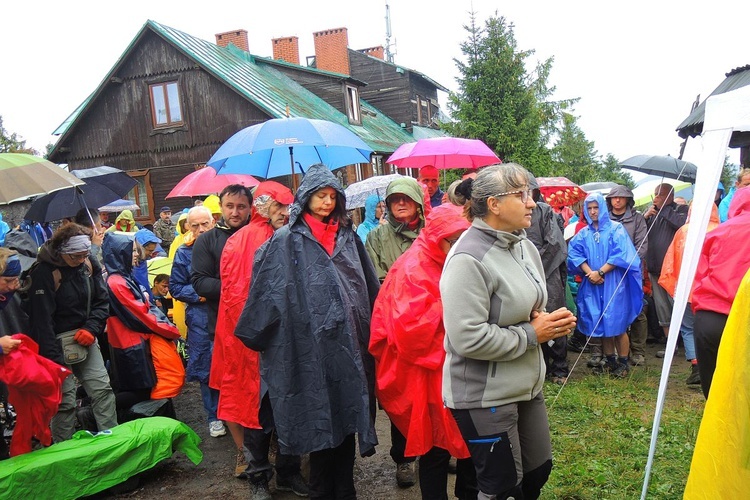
388,54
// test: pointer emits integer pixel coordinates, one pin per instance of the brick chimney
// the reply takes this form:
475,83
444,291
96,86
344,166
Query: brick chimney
332,50
286,49
236,37
378,52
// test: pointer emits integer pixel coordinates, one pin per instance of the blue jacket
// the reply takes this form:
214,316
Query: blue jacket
196,314
370,222
608,309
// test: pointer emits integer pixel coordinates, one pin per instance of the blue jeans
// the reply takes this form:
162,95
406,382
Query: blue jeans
686,329
210,399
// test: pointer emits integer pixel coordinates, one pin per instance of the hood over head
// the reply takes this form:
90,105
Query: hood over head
604,219
24,245
145,236
125,215
443,221
318,177
180,225
620,191
213,204
410,187
117,250
371,205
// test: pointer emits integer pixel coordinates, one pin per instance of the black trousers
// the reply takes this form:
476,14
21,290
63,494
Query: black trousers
258,443
398,447
433,476
556,357
708,328
332,472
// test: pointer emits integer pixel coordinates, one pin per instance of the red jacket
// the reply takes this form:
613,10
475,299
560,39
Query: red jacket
235,369
724,259
406,339
35,391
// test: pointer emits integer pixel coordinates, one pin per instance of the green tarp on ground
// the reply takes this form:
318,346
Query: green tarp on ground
88,464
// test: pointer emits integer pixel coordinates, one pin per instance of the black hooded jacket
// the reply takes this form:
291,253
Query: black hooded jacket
55,309
308,313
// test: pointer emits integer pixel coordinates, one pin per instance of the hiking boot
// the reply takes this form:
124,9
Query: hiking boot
558,380
240,465
217,429
293,483
594,361
695,376
405,476
638,360
259,491
622,370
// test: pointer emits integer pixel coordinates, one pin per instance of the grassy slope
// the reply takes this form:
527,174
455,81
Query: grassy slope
601,430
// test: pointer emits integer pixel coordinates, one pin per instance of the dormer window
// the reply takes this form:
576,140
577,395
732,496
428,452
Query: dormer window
166,110
424,111
353,111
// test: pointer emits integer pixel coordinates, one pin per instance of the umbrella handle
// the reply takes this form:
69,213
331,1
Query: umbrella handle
300,167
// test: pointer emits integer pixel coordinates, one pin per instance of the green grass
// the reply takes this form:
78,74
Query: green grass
601,431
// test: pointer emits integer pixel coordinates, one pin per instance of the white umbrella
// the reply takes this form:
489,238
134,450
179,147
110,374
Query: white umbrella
358,192
119,206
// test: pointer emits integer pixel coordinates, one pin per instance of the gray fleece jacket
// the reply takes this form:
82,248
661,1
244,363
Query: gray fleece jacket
491,282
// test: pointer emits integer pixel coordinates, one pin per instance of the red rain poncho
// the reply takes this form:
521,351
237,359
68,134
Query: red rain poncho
235,369
34,390
406,339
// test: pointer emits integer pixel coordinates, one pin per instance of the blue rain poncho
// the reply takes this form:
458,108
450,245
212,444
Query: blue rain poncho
370,222
608,309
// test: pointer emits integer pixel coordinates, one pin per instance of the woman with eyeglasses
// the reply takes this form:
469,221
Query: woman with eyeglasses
610,295
494,297
68,303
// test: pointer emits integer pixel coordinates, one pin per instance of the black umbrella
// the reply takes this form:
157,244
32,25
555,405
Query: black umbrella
665,166
103,185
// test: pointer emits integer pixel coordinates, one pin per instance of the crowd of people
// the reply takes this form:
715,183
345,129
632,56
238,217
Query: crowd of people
447,310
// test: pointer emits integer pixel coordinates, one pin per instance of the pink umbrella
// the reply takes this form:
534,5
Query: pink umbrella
207,181
444,152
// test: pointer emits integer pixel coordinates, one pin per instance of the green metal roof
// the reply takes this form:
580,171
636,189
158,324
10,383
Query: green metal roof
693,124
427,133
264,86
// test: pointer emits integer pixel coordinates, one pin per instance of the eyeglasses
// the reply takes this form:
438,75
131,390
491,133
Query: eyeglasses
525,194
78,256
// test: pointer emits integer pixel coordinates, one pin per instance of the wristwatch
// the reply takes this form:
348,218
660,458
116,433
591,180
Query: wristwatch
601,273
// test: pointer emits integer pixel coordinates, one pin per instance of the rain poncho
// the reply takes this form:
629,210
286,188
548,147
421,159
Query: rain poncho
388,242
196,314
608,309
90,463
140,335
370,222
407,341
235,369
124,222
308,313
670,269
178,307
724,259
140,272
34,390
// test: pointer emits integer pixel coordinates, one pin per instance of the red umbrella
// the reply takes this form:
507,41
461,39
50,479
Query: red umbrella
560,191
207,181
444,152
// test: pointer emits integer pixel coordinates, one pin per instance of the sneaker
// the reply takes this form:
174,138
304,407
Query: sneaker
217,429
695,376
622,370
295,483
259,491
240,465
405,476
594,361
638,360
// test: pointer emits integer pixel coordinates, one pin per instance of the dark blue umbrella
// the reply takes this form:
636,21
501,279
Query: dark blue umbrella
273,148
102,186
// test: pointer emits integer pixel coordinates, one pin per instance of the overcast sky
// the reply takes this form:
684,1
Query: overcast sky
636,66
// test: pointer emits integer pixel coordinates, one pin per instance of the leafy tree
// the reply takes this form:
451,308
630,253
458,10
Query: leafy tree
499,101
11,142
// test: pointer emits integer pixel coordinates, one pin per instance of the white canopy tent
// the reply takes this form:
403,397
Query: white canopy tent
725,113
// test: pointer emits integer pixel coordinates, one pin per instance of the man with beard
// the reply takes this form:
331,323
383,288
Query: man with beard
235,202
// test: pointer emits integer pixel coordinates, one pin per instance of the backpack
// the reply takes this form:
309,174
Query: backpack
25,278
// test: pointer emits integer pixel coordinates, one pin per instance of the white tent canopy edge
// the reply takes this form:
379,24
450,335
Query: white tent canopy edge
725,113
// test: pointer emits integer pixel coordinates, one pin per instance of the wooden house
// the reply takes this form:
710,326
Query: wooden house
171,100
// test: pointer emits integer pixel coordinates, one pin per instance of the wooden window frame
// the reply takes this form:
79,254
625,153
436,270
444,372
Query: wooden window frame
163,83
133,194
427,103
353,108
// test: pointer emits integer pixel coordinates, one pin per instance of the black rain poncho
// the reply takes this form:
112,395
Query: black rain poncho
309,315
